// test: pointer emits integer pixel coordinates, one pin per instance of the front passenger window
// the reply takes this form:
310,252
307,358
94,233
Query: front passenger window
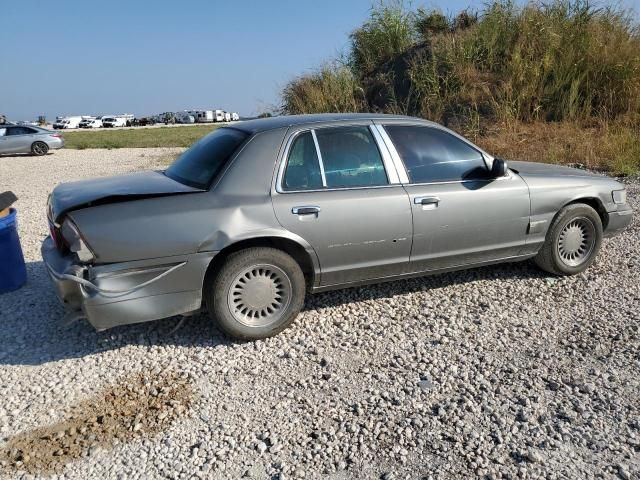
433,155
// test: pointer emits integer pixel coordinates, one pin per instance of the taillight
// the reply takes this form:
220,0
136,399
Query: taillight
57,238
56,135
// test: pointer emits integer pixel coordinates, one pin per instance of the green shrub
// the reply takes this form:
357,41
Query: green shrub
552,61
388,33
508,65
331,89
429,23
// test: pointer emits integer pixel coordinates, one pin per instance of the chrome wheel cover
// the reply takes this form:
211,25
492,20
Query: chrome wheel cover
576,241
259,295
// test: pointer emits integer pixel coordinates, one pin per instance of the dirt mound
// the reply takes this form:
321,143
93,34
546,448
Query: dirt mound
137,405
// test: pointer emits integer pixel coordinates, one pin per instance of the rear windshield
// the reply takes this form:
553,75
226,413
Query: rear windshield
198,166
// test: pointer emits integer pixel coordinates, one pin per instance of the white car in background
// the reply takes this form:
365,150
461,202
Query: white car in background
67,122
91,123
110,122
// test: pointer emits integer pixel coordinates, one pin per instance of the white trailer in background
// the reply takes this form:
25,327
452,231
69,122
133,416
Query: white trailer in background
218,116
227,117
202,116
185,117
235,117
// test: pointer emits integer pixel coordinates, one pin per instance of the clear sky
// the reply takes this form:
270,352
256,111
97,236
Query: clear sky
123,56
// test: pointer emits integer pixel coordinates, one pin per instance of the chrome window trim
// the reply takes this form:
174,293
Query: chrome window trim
284,158
319,155
508,176
389,164
341,189
283,162
395,157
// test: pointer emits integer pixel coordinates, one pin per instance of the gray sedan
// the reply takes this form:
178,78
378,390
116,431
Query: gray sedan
28,139
255,215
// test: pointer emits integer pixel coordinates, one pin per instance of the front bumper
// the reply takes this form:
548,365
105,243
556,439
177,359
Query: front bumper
175,293
618,220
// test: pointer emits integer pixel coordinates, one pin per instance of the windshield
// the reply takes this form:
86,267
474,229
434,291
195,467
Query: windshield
198,166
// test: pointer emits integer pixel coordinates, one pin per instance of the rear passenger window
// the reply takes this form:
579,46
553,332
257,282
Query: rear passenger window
433,155
350,157
20,131
303,167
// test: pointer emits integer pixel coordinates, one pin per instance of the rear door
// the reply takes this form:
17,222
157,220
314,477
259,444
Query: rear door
461,215
338,189
3,139
17,140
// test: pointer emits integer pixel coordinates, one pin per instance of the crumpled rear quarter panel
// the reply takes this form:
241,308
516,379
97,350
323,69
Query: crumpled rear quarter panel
238,206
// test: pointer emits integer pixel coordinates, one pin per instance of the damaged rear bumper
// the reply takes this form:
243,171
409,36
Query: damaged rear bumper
129,292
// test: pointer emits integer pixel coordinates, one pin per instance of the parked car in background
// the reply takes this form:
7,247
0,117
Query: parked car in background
143,122
111,122
218,116
92,123
88,122
67,122
243,228
28,139
235,117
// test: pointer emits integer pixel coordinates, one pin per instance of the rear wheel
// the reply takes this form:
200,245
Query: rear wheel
39,148
256,293
572,242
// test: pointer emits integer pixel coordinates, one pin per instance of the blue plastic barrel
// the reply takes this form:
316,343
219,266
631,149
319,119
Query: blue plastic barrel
13,272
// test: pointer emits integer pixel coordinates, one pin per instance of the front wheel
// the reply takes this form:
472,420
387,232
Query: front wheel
39,148
572,242
256,294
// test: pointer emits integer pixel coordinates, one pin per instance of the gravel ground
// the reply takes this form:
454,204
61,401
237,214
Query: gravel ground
500,372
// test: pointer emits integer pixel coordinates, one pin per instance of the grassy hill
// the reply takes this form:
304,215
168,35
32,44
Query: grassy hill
556,82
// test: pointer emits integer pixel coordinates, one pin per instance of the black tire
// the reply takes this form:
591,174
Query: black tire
39,148
256,293
584,224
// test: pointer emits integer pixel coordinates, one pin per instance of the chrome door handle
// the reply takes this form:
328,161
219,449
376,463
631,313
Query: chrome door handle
434,201
307,210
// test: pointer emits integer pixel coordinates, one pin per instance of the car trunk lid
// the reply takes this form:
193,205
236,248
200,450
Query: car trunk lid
86,193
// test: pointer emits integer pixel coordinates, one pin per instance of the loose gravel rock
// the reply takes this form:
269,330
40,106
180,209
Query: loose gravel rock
499,372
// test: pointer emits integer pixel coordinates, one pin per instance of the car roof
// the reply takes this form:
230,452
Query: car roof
262,124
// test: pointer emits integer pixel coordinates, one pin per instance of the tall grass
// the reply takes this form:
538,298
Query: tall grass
504,66
333,88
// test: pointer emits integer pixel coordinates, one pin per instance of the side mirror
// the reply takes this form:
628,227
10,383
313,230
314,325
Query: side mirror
499,168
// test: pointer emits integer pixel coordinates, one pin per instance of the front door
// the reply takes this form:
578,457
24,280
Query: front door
461,216
334,191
